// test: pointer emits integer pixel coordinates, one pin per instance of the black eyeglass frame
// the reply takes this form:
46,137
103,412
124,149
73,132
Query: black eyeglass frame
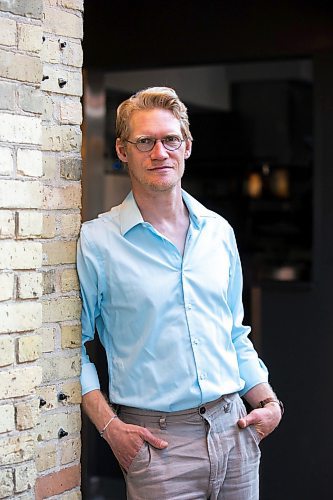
137,143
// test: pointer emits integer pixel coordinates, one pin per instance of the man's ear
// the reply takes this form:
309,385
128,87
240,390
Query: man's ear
121,150
188,149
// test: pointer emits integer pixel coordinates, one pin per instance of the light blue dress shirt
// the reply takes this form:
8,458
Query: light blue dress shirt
171,325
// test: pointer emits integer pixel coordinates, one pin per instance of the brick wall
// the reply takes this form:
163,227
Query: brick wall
40,196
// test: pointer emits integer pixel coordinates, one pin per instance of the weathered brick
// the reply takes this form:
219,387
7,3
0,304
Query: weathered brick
7,31
20,316
61,309
50,110
73,391
70,225
61,198
6,159
7,419
59,252
21,194
6,482
19,382
71,138
52,3
61,138
60,22
71,168
7,224
16,449
49,226
50,166
20,255
60,368
50,52
30,99
25,477
32,8
26,495
46,456
70,336
7,354
27,414
48,393
7,96
73,79
29,285
70,450
71,111
56,483
29,162
72,55
29,348
50,423
7,281
72,495
49,282
71,4
20,129
48,338
30,224
29,37
69,280
20,67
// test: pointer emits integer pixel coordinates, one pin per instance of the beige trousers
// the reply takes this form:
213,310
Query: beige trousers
208,456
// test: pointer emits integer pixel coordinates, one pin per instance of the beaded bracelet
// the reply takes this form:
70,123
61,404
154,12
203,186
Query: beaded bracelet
106,425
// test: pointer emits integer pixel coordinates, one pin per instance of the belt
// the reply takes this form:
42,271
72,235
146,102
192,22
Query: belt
131,410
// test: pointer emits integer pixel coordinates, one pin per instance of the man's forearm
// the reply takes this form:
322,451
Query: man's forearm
259,393
97,408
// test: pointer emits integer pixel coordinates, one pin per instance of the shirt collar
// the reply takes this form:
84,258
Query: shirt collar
196,210
130,215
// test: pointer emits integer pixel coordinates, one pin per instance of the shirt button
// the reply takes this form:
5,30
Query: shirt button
195,341
189,306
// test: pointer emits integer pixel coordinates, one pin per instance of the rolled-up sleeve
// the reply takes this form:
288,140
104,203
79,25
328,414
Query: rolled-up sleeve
252,369
87,267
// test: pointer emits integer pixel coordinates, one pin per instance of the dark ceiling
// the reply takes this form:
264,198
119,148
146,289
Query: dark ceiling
127,34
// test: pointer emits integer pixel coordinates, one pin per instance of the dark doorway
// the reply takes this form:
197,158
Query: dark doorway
273,180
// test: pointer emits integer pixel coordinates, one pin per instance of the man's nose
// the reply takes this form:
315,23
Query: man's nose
159,150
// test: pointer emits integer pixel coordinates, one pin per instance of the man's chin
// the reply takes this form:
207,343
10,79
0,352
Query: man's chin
163,187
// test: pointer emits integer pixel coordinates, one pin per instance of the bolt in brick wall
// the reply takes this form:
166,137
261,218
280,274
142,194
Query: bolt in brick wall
40,201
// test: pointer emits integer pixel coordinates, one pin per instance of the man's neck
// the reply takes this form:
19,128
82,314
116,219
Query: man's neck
161,206
167,212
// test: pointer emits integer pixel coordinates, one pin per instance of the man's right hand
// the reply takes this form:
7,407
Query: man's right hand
127,439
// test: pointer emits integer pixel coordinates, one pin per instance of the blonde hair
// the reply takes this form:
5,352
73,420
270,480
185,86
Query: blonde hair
150,98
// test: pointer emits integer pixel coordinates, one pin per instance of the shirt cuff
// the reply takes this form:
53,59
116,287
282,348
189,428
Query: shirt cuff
259,376
89,378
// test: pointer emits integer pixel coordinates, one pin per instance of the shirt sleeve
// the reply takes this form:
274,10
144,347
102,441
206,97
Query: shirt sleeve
87,267
252,369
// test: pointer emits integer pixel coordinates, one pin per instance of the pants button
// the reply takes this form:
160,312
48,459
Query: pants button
202,410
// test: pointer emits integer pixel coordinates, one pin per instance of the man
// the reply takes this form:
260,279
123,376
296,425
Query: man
161,280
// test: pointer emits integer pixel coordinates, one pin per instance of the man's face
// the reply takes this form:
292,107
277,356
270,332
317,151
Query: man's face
158,169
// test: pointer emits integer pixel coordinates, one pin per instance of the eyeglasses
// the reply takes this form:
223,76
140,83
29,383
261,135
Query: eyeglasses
145,144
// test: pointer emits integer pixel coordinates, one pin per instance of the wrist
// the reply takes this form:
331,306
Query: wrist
272,402
102,431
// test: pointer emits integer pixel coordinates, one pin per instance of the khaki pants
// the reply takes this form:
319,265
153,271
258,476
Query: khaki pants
208,456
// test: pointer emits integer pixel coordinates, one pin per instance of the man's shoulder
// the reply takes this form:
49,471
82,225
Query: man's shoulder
97,225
